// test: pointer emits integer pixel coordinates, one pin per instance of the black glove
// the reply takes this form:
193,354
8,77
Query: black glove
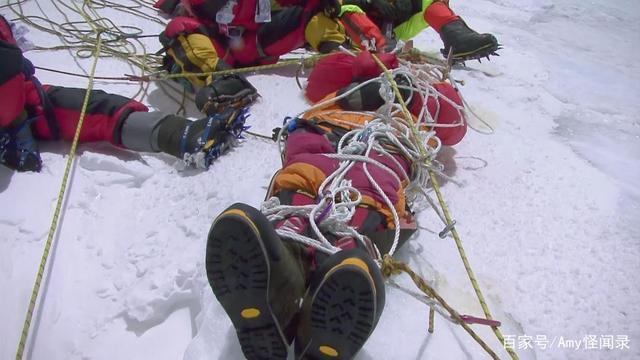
367,98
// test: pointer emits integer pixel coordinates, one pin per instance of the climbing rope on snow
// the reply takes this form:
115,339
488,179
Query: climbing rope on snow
308,62
56,215
391,267
76,36
447,215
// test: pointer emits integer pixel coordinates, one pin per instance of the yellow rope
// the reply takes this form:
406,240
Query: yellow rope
467,266
393,267
306,62
56,214
445,210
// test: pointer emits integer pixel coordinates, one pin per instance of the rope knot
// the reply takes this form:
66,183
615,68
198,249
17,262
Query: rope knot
355,148
386,89
269,204
390,266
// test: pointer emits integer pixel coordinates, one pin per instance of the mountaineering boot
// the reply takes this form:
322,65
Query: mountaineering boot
198,142
7,147
466,44
341,307
459,39
257,279
225,91
367,97
18,148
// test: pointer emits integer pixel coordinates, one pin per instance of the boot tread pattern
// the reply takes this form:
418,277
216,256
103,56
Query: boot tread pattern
238,271
342,315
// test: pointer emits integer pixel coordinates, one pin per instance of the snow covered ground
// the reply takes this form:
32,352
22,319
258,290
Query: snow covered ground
548,210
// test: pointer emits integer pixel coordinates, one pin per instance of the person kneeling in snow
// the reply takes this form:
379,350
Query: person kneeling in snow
377,24
33,111
304,267
198,44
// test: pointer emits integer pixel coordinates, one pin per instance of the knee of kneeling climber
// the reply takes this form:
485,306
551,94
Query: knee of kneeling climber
324,34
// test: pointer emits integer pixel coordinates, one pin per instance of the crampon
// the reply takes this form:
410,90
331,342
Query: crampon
211,146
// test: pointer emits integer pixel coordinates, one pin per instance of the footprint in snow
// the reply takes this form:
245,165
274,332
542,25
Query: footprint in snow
130,173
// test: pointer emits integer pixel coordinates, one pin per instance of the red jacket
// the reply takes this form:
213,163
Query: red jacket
262,43
54,110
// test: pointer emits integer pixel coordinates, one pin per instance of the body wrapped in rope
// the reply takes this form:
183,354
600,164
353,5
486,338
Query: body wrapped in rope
359,187
334,215
357,165
349,174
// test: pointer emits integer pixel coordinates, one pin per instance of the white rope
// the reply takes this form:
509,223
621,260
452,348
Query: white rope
389,135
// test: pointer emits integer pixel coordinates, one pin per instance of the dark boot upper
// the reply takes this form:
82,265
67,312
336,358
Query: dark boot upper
248,265
224,92
463,42
209,137
18,148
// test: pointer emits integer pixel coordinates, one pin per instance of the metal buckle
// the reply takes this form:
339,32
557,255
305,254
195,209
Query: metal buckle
231,31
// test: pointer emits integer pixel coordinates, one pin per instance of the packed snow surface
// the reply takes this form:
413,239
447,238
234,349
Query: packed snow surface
547,207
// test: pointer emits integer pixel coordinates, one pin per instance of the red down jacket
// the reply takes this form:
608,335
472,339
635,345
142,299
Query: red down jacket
54,110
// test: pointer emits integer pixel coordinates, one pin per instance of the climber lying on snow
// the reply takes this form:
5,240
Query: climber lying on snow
31,111
303,267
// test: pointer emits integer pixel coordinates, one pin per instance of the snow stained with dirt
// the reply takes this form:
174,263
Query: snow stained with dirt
548,207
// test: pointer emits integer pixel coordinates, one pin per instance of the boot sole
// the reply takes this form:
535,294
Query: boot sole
478,53
238,269
342,314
